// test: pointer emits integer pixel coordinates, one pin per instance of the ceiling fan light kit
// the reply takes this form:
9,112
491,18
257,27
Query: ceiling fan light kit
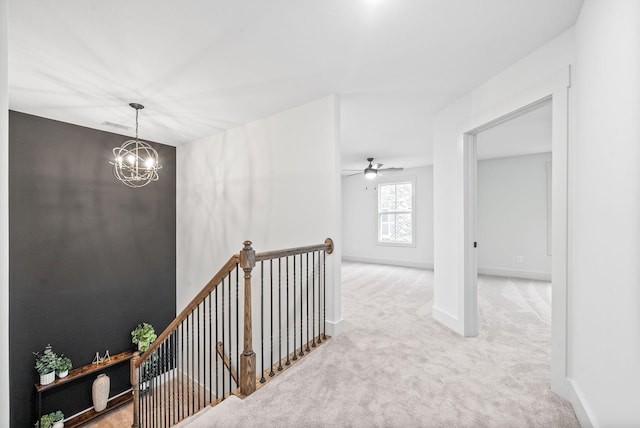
372,170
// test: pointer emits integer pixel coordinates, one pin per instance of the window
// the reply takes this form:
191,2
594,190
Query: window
395,213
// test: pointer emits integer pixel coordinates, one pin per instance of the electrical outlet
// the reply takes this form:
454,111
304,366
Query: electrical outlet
519,259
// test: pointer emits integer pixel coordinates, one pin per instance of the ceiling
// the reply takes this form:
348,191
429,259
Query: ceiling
203,66
525,134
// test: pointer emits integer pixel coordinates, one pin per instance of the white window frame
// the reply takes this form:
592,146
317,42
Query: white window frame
396,181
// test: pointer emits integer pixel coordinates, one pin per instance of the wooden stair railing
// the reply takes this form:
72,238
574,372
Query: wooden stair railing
227,362
191,363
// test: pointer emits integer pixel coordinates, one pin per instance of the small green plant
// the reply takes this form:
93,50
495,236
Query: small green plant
47,361
63,364
47,421
143,335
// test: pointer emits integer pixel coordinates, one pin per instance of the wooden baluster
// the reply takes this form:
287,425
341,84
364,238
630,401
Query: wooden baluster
135,389
248,359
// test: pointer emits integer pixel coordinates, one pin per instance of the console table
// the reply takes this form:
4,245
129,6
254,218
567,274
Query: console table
81,372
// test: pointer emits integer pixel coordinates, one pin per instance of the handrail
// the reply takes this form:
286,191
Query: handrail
211,285
267,255
215,281
176,362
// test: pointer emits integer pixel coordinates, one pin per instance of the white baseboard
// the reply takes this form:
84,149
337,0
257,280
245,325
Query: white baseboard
448,320
378,261
581,409
514,273
333,328
127,392
569,390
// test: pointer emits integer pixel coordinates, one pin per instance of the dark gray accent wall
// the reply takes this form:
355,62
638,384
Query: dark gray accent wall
90,258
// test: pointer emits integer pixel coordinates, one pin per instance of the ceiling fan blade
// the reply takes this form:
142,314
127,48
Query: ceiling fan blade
376,165
392,169
351,175
352,170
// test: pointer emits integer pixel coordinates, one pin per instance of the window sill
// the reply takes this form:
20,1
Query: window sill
396,244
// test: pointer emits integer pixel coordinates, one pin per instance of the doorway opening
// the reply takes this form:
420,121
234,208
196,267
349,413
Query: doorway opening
513,206
553,91
513,209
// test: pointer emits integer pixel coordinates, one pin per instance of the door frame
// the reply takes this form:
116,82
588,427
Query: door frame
556,89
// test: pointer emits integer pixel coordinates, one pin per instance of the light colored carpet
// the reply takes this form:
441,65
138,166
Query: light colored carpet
395,367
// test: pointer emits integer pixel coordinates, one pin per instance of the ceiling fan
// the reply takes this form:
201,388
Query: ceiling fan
372,170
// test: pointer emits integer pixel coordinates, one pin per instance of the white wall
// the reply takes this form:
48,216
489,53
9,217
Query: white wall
275,181
512,216
448,172
604,308
603,325
4,221
360,220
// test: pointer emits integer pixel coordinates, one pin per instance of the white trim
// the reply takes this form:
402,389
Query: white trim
4,221
446,319
514,273
390,262
397,243
548,167
128,391
560,228
399,180
582,410
554,87
470,169
333,328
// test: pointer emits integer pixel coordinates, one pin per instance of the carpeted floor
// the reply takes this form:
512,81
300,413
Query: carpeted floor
395,367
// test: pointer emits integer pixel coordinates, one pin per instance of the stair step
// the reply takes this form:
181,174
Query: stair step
207,416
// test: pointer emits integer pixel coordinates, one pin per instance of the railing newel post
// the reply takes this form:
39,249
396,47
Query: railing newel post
248,358
135,389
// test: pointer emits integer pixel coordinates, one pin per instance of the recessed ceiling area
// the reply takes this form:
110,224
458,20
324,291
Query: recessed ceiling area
204,66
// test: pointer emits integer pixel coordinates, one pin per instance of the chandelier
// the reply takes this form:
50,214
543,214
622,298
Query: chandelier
135,163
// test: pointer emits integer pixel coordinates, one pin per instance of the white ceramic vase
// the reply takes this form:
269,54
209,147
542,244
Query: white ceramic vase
46,379
63,374
59,424
100,392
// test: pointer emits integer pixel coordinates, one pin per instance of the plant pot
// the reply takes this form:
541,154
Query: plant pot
46,379
63,374
59,424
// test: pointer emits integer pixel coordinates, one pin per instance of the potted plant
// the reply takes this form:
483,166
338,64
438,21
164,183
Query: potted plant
46,364
63,366
143,335
51,420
